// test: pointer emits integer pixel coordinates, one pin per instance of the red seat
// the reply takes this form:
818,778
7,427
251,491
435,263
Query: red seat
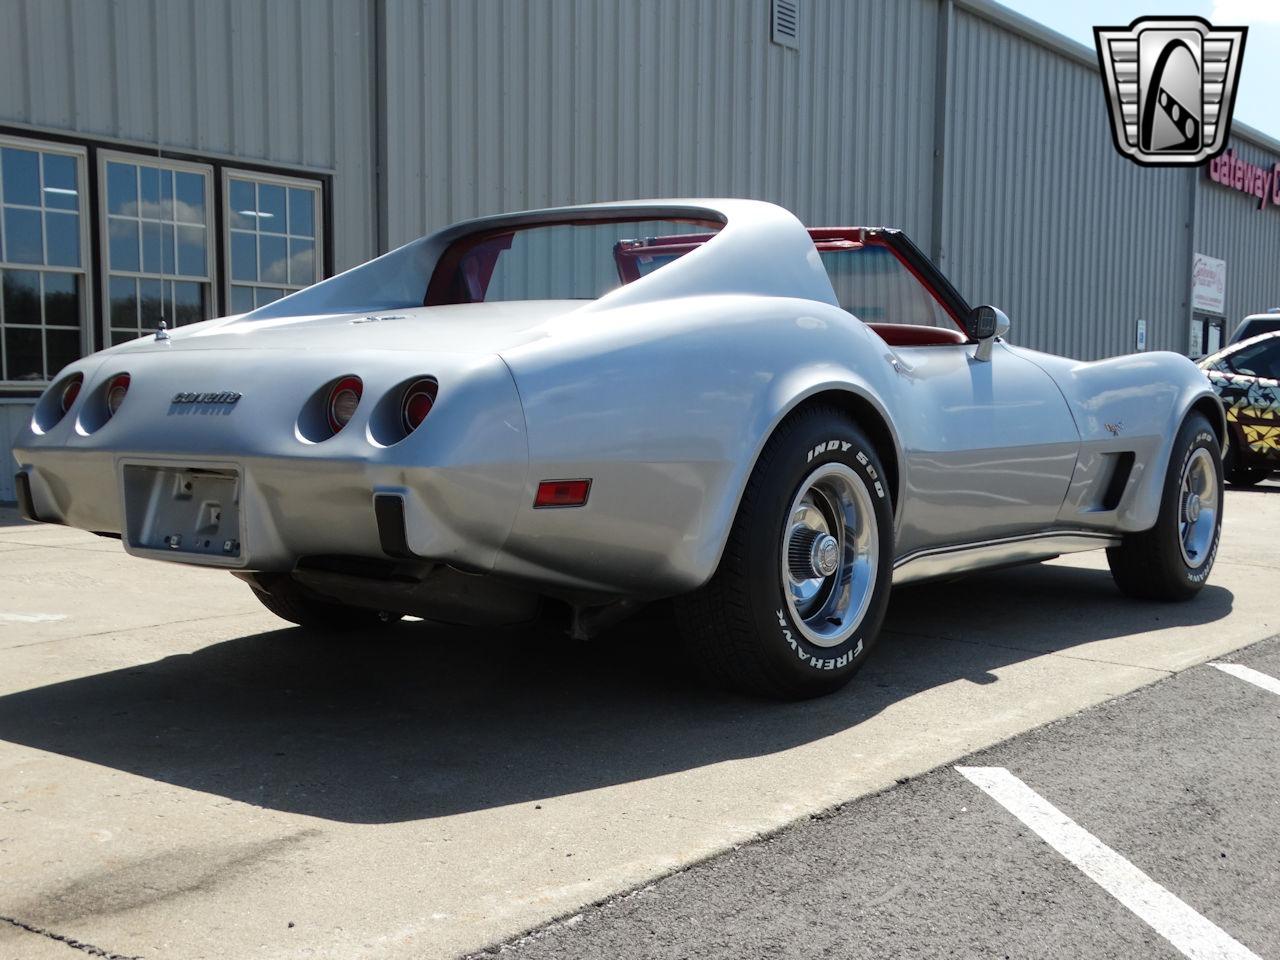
913,335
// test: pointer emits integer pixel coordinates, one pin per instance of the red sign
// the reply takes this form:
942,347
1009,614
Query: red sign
1237,174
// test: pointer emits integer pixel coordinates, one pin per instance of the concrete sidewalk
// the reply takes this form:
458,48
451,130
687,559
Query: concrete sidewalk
182,775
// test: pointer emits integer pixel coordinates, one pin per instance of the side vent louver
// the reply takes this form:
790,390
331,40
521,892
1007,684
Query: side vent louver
786,23
1118,480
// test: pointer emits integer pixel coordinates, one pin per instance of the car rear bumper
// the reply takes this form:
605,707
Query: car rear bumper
286,508
455,483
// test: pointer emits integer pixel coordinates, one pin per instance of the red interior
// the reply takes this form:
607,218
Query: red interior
464,271
826,239
913,335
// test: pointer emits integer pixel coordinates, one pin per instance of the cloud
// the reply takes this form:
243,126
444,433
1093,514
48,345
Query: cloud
1248,12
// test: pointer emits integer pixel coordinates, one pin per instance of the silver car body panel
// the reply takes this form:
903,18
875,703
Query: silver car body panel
663,392
950,561
1129,404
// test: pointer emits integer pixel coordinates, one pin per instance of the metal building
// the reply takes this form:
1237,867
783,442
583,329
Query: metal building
191,158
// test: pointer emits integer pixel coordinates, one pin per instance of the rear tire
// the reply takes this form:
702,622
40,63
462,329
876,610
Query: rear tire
1172,560
815,515
290,602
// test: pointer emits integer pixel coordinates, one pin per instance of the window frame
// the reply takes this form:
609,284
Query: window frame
901,280
103,214
315,185
84,210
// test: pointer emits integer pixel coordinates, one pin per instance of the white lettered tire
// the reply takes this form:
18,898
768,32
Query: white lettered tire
797,601
1173,559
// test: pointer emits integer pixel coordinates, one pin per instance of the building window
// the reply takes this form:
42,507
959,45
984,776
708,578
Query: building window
156,238
158,228
274,238
43,233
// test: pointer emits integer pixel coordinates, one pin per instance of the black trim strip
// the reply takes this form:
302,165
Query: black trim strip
98,338
145,150
916,259
220,290
26,505
388,510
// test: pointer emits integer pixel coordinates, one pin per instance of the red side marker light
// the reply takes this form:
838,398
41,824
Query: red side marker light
562,493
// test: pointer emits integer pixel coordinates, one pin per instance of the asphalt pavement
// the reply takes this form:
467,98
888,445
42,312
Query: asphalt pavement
1178,778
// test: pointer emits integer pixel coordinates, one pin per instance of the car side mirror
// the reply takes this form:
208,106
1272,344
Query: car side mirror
985,324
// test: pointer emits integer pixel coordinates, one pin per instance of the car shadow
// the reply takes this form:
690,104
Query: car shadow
425,722
10,517
1270,485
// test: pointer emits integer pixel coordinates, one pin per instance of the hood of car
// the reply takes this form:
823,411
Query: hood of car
470,328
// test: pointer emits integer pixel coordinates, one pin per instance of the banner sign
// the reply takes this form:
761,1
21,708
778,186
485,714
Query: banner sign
1208,284
1235,173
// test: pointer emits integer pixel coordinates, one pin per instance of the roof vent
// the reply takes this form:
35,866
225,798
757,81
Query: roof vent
786,23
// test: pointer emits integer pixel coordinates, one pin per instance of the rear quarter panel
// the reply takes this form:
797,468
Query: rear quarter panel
665,406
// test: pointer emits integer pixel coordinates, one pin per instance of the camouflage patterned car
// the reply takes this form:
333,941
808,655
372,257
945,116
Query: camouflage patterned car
1247,378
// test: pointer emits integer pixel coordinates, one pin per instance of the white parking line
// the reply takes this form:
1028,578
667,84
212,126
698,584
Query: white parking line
31,617
1258,679
1168,916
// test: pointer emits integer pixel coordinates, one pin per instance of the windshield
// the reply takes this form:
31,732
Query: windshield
562,261
1256,360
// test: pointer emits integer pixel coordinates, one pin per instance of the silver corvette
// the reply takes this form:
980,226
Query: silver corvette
573,412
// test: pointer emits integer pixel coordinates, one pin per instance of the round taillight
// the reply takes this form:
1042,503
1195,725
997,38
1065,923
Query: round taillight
70,392
419,398
343,400
117,387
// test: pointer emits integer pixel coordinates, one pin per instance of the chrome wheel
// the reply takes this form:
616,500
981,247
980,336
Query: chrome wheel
830,554
1198,508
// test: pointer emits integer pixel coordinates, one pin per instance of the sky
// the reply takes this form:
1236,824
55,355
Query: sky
1256,92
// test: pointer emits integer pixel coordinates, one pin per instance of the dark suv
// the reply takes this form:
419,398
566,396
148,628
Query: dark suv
1255,324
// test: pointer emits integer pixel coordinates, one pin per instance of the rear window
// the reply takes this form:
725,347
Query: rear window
1255,328
563,261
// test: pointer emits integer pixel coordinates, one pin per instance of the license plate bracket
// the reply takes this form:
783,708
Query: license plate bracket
191,513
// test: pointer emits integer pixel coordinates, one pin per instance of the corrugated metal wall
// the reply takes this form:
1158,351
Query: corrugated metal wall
492,106
496,106
1230,226
1043,218
286,82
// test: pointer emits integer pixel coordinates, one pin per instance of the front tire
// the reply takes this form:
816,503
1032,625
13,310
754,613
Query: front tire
1172,560
797,601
